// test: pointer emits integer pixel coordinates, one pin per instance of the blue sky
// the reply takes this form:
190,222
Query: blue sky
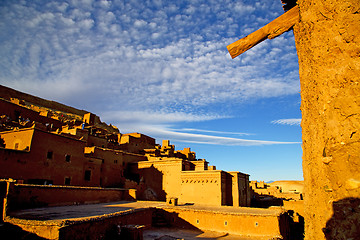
162,68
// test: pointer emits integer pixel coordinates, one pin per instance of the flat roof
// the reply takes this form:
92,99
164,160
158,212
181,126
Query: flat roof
76,212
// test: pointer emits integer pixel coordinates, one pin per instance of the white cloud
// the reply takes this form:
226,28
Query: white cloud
211,139
153,117
290,121
167,132
140,23
241,8
212,131
80,52
160,125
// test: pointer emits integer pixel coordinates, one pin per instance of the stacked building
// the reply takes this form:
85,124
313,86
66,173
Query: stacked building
41,144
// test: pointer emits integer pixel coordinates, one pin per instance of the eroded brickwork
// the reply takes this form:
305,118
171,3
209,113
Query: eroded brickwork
328,46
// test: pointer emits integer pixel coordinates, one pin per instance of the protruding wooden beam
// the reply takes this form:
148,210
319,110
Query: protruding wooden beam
273,29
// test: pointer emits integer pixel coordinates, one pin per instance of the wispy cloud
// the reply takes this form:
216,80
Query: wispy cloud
212,131
167,132
290,121
153,117
161,125
214,140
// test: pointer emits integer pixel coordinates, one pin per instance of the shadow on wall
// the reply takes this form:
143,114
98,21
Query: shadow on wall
10,232
149,183
296,225
265,201
162,218
345,221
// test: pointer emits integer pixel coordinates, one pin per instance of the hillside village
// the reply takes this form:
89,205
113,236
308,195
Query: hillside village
42,145
48,144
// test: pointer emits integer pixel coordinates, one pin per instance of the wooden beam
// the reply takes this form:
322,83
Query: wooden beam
273,29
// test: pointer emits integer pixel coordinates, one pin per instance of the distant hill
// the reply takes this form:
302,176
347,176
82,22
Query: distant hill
8,93
289,186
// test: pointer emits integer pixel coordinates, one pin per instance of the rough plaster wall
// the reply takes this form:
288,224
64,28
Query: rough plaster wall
328,45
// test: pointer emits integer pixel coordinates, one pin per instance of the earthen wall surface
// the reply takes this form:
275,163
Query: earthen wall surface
136,142
18,140
14,111
328,46
92,228
30,196
269,225
196,187
240,189
162,177
114,162
50,157
112,166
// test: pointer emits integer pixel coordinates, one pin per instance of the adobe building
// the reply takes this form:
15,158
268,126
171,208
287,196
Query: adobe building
91,153
36,156
170,174
19,115
136,142
114,164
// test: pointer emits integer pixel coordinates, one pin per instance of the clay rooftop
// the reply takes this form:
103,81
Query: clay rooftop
69,215
75,212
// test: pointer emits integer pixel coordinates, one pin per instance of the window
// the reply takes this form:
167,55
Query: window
67,180
115,161
87,176
16,146
49,155
67,157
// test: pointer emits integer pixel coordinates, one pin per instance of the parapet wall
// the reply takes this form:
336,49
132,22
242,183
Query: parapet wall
107,226
258,223
29,196
263,223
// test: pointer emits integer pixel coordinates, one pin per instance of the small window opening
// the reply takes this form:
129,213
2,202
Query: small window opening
225,223
67,181
87,176
16,146
67,157
115,161
49,155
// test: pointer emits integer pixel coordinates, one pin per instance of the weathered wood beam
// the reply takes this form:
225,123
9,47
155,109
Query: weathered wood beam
273,29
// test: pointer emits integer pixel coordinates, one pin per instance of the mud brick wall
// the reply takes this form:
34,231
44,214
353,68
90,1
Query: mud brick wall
328,46
31,196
